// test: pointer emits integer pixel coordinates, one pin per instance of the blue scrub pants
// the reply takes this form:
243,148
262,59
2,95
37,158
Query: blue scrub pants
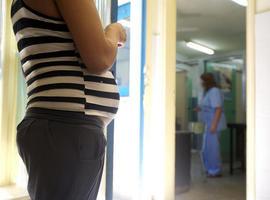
211,153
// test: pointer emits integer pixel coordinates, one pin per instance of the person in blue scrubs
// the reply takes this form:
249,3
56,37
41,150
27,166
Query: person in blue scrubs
211,110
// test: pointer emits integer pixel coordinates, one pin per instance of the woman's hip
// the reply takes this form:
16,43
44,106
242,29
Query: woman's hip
43,136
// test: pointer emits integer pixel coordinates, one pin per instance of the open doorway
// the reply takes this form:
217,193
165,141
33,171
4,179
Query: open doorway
210,39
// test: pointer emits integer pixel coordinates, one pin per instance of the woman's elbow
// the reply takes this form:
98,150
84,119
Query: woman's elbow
99,65
100,59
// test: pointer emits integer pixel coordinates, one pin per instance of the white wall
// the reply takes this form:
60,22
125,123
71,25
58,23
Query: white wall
262,117
263,5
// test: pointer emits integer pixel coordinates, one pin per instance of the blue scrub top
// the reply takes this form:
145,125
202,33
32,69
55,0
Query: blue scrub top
211,100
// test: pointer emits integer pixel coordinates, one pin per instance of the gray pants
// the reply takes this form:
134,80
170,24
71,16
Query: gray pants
63,153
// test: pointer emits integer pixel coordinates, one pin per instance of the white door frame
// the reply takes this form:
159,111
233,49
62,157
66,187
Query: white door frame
251,148
159,100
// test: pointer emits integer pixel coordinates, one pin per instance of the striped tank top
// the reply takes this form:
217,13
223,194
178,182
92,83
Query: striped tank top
55,75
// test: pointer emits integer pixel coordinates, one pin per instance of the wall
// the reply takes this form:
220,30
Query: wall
240,105
193,91
258,171
262,116
181,99
263,5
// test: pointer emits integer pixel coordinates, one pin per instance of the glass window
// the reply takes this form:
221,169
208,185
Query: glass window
126,175
123,58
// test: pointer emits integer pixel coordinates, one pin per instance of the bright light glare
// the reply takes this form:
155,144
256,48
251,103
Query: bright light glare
122,2
241,2
125,23
200,48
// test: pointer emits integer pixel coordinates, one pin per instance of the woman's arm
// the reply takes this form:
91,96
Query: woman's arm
97,48
217,116
216,102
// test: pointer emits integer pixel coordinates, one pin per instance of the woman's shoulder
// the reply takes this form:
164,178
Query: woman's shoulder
214,90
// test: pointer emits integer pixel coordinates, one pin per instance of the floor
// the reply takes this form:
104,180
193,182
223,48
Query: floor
13,193
226,188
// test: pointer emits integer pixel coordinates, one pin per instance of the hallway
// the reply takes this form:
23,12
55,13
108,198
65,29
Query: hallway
225,188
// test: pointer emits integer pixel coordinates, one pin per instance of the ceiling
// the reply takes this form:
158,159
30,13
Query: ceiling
218,24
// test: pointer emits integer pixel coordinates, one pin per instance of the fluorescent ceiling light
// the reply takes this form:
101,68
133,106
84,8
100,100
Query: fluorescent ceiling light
200,48
241,2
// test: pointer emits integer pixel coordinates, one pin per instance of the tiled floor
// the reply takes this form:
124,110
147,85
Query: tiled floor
225,188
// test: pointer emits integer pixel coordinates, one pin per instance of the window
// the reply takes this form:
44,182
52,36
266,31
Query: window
12,92
127,138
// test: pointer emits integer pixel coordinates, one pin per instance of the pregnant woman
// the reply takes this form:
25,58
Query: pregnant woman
66,58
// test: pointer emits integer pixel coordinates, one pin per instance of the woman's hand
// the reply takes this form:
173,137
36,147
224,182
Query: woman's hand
97,49
116,33
213,128
197,109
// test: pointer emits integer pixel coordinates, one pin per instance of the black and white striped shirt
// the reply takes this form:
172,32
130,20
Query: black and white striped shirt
55,75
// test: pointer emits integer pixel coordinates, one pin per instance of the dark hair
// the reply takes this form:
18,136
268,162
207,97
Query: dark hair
208,81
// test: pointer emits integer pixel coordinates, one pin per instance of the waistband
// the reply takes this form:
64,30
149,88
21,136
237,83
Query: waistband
64,116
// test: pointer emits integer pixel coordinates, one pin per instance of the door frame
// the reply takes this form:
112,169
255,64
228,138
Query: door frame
251,147
110,129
